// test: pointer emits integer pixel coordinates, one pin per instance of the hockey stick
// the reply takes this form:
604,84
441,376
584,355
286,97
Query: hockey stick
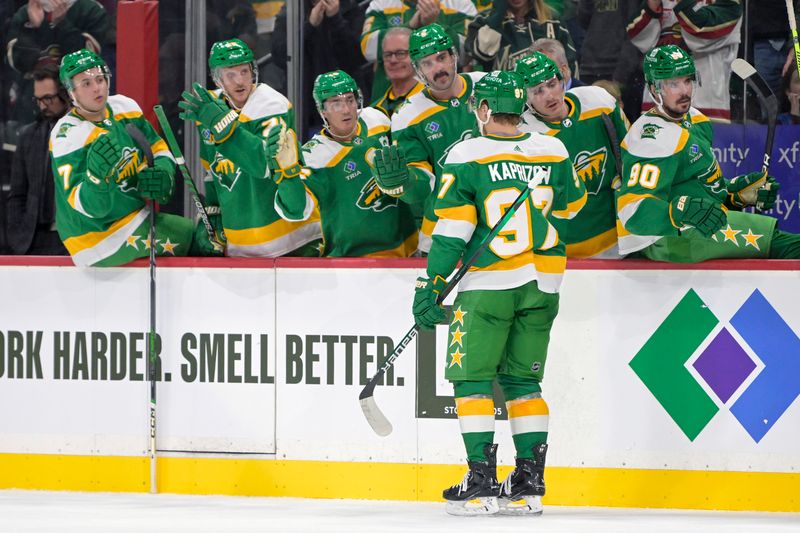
375,417
767,101
793,27
611,131
141,142
175,149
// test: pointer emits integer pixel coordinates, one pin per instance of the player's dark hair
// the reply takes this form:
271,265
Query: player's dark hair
50,72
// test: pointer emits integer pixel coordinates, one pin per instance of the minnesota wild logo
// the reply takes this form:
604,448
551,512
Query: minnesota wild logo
372,198
62,131
650,130
590,167
224,171
127,167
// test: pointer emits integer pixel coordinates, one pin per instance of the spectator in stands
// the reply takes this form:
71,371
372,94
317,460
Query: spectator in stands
31,202
708,30
453,15
790,97
768,24
397,64
42,31
607,54
506,33
555,51
330,42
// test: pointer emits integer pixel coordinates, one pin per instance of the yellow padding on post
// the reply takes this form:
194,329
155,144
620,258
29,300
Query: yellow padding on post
528,407
475,406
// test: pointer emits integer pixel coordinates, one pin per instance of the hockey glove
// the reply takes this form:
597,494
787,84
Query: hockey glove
282,155
754,188
201,106
391,172
156,184
427,313
202,245
101,160
706,216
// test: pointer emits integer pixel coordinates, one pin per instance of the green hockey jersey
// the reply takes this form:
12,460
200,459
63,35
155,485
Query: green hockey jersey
381,15
593,232
238,180
358,220
95,225
481,178
662,160
426,129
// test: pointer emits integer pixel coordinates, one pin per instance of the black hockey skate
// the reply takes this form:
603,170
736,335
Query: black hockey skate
521,492
479,484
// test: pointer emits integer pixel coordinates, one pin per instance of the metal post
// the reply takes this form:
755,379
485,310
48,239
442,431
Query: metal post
195,68
294,62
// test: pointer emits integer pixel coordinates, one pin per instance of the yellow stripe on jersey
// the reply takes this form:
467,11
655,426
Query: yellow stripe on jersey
380,128
521,158
621,231
264,234
407,248
424,165
550,264
159,146
593,246
96,132
428,226
339,156
513,263
425,114
88,240
572,208
630,198
127,114
596,112
467,213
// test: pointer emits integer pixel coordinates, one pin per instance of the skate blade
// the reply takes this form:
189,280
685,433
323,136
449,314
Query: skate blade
478,507
528,505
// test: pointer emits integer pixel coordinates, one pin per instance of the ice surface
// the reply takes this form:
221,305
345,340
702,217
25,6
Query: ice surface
68,512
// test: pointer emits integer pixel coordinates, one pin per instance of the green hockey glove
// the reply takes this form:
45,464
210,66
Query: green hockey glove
201,106
282,155
101,160
391,172
754,188
427,313
156,184
202,245
706,216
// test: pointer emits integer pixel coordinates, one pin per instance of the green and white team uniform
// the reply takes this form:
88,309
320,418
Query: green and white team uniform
664,160
593,233
426,129
358,219
382,15
238,180
110,227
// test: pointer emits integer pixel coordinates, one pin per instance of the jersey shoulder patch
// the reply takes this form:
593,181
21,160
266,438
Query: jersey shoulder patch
415,110
652,136
594,100
70,134
264,102
321,152
123,107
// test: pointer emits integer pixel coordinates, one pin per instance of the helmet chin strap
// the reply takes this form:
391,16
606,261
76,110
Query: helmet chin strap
482,123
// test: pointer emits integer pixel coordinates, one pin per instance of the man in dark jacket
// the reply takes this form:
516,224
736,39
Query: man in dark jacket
31,205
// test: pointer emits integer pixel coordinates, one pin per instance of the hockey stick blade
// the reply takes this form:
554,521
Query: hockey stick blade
748,73
375,417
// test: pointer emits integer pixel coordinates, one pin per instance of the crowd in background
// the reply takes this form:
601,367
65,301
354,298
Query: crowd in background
597,42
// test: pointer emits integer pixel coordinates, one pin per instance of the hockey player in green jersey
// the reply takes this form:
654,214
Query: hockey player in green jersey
508,300
575,118
102,180
358,219
234,122
427,125
674,204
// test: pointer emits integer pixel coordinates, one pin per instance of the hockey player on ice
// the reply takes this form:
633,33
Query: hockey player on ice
507,302
358,219
674,204
575,118
102,181
235,121
427,126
